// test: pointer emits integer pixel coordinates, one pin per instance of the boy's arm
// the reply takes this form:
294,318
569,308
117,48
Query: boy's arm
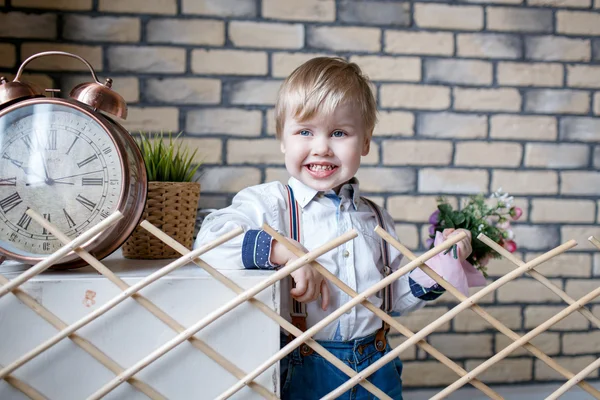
408,295
250,208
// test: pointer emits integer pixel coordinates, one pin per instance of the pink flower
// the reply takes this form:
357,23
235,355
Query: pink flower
485,260
510,245
516,213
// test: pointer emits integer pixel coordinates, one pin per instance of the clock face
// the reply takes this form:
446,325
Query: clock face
61,163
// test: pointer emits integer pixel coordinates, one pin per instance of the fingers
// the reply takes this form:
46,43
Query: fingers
447,232
301,286
324,295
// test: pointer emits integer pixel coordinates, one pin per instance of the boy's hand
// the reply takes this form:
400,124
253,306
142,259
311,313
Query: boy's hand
464,246
309,282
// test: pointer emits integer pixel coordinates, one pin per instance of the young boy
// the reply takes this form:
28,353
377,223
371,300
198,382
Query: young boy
325,115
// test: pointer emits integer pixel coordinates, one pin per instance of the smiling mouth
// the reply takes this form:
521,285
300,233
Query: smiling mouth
321,171
319,167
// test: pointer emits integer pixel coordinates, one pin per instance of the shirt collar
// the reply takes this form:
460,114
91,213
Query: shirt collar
305,194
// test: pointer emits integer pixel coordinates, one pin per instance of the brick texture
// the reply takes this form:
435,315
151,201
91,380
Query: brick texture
76,5
146,59
415,96
344,38
426,43
101,29
449,17
310,10
22,25
517,182
497,154
550,48
252,34
472,96
149,6
487,99
171,30
530,74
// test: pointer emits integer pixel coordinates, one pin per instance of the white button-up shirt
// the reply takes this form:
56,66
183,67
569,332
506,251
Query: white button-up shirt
324,216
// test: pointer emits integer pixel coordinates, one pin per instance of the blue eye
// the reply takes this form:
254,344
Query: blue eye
304,132
338,134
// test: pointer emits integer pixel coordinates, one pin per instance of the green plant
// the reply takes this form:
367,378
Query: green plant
477,216
166,160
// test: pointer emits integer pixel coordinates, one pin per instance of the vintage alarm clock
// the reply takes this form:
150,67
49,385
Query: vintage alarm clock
68,160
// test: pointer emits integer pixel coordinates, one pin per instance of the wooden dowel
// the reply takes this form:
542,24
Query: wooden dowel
262,307
496,323
539,277
594,241
112,303
448,316
214,315
24,388
144,302
60,253
382,314
92,350
509,349
575,380
154,309
337,313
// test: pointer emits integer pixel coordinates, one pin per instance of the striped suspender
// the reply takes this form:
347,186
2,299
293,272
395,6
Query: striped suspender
387,294
298,312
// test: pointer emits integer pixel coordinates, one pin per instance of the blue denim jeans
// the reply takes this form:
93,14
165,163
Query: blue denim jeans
312,377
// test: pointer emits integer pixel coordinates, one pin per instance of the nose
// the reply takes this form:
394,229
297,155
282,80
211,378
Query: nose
321,146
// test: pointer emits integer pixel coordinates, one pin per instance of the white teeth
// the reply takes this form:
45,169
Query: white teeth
315,167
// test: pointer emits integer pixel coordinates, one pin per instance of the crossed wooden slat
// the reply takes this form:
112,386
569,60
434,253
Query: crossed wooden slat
301,337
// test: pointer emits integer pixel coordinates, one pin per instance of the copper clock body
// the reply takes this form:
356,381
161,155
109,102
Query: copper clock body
70,163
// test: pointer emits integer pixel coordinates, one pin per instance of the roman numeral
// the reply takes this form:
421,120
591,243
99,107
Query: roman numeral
16,163
47,217
27,141
85,202
70,221
24,221
10,202
51,140
87,161
8,181
72,144
92,181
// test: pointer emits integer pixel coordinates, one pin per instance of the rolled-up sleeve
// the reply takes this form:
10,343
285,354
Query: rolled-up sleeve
250,208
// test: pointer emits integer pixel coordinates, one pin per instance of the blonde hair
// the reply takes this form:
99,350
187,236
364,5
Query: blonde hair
322,84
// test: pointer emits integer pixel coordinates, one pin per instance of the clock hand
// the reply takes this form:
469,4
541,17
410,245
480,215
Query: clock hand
71,176
45,182
19,164
48,179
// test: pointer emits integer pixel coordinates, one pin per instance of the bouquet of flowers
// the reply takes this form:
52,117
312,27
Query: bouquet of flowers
479,216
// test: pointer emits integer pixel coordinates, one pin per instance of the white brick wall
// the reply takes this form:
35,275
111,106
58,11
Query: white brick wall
472,96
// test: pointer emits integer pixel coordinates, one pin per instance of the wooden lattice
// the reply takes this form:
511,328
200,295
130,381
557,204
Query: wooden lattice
247,379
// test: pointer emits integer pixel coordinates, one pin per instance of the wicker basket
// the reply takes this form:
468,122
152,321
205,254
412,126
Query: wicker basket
172,207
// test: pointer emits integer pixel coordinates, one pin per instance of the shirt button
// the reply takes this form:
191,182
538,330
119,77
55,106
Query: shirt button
346,253
342,207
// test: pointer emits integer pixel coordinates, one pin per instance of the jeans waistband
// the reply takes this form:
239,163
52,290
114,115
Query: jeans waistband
350,344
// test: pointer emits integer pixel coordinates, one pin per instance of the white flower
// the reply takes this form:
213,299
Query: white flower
480,227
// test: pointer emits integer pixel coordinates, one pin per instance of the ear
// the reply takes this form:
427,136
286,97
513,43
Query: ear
366,146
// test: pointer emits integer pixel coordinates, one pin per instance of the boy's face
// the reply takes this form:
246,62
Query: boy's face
324,152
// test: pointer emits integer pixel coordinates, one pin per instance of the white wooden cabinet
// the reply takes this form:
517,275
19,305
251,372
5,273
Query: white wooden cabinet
129,332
